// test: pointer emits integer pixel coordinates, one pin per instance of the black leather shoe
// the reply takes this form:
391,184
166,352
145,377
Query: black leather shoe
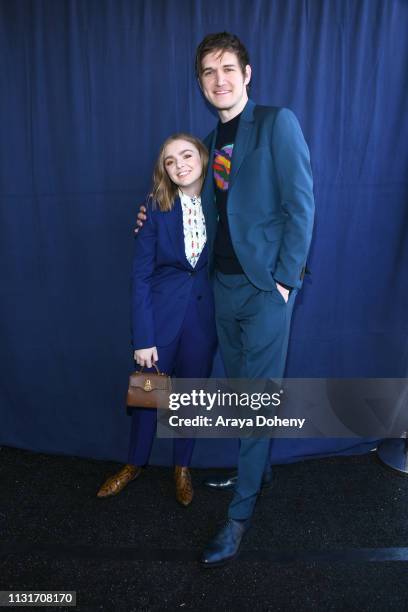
225,545
225,483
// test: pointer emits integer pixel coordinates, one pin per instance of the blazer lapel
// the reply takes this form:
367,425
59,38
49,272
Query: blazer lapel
207,191
208,197
242,140
174,226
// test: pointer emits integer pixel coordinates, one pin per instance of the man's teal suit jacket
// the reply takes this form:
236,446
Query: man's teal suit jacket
270,197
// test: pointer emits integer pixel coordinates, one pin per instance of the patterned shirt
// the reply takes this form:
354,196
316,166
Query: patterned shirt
195,235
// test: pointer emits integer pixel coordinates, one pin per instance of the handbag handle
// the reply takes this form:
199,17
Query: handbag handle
155,366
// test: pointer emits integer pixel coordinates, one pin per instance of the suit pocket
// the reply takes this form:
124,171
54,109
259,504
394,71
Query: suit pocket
276,294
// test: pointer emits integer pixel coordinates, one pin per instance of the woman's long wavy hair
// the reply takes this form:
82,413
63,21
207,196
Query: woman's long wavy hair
164,191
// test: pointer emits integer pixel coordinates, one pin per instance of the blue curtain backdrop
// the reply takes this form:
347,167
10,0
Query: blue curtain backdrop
89,89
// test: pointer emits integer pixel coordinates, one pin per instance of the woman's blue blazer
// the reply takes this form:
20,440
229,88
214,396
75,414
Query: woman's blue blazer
163,282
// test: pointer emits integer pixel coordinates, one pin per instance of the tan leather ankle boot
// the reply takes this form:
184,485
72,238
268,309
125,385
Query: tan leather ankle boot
116,483
184,486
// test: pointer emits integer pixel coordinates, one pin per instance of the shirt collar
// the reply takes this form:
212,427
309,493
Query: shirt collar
186,199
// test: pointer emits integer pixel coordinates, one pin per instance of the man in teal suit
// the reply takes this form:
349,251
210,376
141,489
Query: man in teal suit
258,205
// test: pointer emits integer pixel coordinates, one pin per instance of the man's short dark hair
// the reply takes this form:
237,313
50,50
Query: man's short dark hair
222,41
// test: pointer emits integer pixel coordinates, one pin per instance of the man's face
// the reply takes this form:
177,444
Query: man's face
223,83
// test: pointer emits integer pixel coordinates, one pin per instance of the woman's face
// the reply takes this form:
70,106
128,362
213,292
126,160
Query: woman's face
183,165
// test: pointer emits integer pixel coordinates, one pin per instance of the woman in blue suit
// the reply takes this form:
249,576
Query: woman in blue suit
172,307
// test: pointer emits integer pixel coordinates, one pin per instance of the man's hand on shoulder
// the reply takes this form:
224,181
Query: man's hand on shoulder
141,218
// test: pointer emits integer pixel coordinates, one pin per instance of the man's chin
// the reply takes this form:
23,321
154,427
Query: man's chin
221,105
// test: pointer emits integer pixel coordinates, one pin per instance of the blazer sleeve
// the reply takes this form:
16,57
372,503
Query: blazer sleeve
144,261
292,164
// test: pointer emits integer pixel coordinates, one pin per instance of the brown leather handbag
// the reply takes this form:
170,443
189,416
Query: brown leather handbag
149,389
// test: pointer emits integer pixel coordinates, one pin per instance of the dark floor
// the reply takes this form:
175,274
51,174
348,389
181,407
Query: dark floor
331,534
